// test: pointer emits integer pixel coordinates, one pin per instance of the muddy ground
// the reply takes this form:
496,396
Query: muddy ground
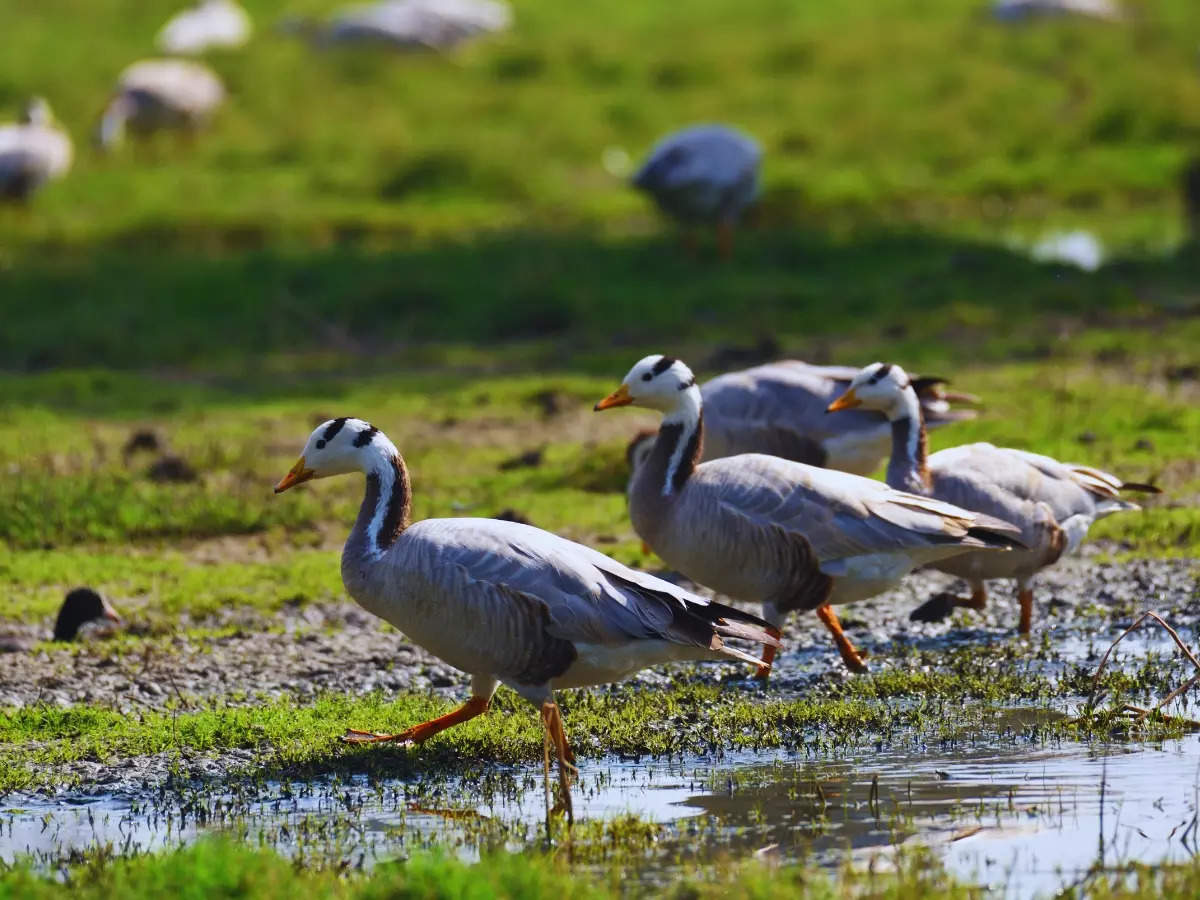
316,648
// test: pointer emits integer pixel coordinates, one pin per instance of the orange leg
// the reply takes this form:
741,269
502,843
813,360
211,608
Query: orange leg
977,601
1025,597
851,657
725,240
552,722
476,706
768,656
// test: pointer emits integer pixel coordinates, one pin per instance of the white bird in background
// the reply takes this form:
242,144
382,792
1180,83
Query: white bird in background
703,175
506,602
1022,10
412,24
159,94
205,25
1053,503
32,151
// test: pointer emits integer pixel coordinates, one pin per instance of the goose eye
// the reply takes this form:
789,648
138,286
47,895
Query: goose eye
321,444
646,376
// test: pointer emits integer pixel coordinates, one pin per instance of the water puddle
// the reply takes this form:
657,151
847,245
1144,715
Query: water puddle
1021,818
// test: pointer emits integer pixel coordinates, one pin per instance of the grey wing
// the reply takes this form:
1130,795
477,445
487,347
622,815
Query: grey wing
1067,490
779,409
838,514
583,595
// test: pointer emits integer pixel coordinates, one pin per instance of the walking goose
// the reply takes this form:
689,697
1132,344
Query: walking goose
32,152
705,174
159,94
502,601
1052,503
779,409
785,534
204,25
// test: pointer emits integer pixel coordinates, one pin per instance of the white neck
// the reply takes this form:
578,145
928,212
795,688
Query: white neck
686,413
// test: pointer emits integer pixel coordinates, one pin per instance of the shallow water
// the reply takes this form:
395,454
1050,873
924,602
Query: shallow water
1022,818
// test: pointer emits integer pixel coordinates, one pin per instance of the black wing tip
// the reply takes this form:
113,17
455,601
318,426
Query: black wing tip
993,537
1140,487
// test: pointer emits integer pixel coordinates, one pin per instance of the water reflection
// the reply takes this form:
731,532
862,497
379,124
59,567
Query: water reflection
1020,818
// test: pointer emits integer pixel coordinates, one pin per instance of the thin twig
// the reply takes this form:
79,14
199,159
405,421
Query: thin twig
1136,623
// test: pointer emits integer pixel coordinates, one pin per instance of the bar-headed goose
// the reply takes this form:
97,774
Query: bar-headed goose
205,25
157,94
505,602
32,151
1053,503
779,409
705,174
785,534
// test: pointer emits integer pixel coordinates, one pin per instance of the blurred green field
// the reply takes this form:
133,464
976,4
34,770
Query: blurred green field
354,204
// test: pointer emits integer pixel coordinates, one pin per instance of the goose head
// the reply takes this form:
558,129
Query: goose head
338,447
655,382
881,387
81,606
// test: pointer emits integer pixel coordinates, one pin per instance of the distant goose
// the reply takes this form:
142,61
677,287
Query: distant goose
505,602
1053,503
784,534
703,175
157,94
411,24
82,607
32,152
779,409
205,25
1021,10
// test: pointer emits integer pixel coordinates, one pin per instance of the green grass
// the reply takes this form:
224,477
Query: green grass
919,696
223,870
350,204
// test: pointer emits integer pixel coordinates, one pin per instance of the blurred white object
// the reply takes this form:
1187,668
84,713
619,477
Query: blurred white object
616,161
1074,248
413,24
705,174
32,152
157,94
1021,10
207,24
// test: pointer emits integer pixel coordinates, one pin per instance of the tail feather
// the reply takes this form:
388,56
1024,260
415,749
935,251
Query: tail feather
1138,486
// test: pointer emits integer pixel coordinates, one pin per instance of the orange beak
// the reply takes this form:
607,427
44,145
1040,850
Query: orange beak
848,400
619,397
110,613
297,475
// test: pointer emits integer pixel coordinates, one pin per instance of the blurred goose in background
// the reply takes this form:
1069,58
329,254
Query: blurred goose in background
32,152
1022,10
409,24
157,94
781,533
1052,503
506,602
703,175
205,25
779,409
83,611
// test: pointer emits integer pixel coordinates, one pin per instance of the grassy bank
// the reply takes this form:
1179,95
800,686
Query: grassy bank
218,870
